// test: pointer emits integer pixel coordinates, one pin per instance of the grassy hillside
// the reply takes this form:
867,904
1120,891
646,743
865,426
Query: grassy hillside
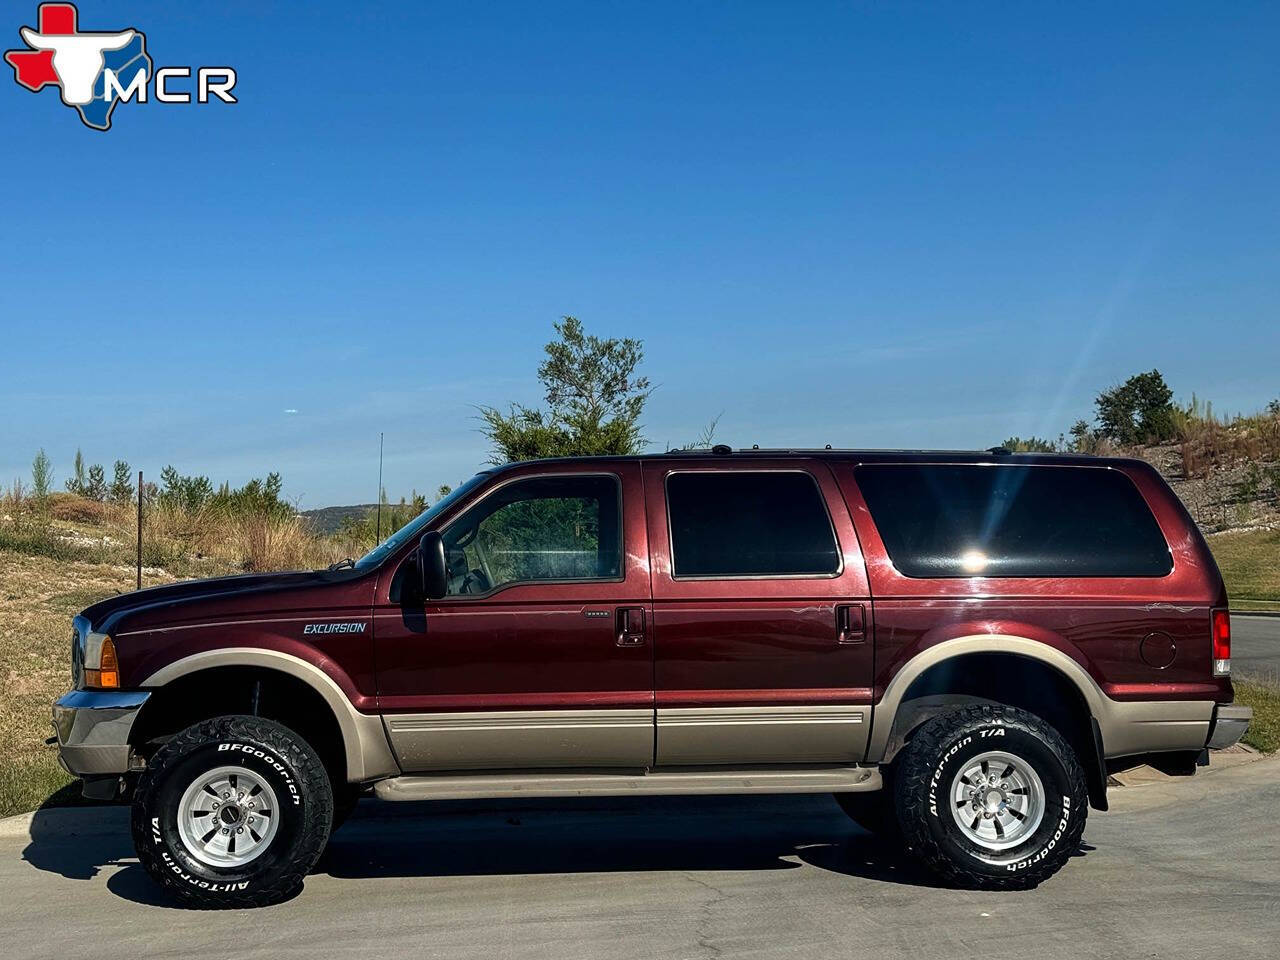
1250,564
325,521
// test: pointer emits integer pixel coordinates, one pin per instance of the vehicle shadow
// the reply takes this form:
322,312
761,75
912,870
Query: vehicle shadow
496,838
612,835
78,839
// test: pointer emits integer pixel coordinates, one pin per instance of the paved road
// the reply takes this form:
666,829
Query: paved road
1181,869
1255,645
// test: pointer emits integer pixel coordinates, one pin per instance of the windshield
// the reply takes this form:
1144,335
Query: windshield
415,526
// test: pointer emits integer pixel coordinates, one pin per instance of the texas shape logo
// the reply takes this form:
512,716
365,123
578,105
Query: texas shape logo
92,70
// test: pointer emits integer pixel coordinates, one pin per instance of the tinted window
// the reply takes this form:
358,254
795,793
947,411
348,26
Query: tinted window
1010,521
544,528
749,524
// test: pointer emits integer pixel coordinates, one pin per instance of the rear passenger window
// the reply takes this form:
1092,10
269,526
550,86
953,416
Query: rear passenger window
740,524
1012,521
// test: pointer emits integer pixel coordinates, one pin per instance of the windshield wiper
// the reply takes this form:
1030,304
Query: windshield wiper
344,564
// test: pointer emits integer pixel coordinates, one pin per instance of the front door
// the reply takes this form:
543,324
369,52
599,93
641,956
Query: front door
762,614
540,654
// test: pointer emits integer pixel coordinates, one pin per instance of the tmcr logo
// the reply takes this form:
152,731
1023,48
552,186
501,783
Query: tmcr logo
95,71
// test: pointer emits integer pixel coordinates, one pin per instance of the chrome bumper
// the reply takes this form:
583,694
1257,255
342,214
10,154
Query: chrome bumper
1230,721
93,727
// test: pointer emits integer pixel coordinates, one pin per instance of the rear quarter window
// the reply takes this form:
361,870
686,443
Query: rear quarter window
941,520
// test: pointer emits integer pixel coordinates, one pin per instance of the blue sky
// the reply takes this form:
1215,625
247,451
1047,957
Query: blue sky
851,223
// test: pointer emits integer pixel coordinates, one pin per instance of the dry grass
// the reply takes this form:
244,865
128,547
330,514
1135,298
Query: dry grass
38,596
1209,442
60,556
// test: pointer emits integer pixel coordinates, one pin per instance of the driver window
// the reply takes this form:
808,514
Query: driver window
544,528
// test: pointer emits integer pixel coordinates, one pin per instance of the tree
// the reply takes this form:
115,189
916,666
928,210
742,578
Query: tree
121,489
1031,444
1083,437
593,401
96,487
78,484
187,493
1140,410
41,476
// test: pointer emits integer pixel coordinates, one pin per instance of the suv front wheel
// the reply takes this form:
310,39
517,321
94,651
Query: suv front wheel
991,797
232,812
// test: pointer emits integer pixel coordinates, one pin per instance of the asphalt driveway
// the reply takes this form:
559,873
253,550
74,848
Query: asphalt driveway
1180,869
1255,645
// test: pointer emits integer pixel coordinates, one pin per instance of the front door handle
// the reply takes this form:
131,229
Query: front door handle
851,623
631,632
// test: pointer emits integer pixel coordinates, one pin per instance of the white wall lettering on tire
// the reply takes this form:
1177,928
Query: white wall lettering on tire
268,759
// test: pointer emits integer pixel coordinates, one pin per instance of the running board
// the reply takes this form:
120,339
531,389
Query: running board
482,786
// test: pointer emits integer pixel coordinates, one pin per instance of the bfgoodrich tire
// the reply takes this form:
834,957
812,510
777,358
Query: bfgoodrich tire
232,812
991,797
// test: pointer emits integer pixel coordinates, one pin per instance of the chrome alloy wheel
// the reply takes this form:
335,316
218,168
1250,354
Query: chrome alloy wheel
227,817
997,800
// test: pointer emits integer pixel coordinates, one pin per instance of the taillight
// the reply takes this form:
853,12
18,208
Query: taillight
107,676
1221,643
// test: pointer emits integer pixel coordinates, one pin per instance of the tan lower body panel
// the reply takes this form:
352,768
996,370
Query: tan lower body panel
822,733
1154,726
669,782
513,739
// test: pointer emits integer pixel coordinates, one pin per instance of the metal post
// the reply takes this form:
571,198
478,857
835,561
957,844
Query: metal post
139,529
378,533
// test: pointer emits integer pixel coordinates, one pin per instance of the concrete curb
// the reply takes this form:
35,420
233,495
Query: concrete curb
17,826
1255,613
1219,760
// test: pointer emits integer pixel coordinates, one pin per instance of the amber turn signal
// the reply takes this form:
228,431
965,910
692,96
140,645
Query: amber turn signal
107,676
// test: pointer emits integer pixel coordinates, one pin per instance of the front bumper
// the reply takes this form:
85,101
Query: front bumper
93,727
1230,721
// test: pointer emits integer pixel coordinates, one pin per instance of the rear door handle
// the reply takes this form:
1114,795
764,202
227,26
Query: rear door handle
851,623
631,632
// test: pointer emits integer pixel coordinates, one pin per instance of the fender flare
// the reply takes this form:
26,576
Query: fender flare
1127,727
368,755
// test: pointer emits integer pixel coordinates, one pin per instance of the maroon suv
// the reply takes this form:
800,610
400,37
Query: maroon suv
959,646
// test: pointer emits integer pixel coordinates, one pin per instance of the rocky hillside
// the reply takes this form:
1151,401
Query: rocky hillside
326,521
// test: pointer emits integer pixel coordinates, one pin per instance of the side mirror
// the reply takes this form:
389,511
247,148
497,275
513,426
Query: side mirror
431,566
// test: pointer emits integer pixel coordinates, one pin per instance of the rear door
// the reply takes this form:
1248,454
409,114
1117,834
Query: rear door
762,614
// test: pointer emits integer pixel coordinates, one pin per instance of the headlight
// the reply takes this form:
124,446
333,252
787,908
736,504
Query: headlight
106,676
93,658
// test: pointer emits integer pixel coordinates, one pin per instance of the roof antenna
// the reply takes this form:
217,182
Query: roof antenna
722,449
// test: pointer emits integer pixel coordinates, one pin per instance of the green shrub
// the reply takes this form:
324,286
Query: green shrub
41,476
121,489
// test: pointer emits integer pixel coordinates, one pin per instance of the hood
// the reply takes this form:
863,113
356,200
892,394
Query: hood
189,599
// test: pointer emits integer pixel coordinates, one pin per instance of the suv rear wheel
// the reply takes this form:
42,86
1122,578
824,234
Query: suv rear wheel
991,797
232,812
